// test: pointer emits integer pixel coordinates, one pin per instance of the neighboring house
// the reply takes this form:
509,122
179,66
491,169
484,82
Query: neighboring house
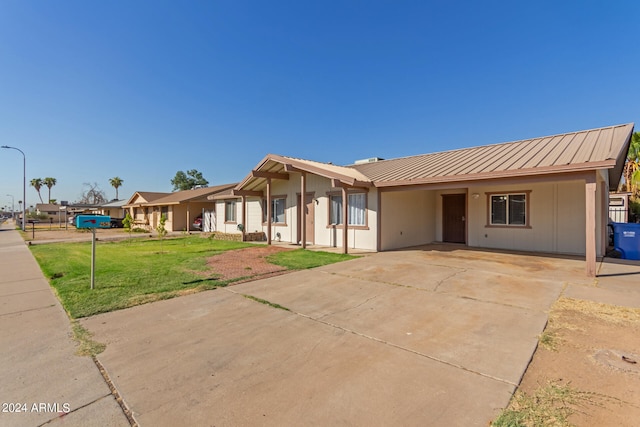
114,209
53,211
619,207
547,194
181,207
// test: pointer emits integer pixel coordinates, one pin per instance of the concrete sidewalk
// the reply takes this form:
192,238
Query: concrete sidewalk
43,381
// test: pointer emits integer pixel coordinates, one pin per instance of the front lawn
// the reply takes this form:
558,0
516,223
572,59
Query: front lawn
135,272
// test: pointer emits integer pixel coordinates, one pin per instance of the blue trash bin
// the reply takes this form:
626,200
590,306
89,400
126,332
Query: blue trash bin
626,240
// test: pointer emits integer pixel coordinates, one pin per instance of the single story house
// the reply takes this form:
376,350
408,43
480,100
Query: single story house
52,210
547,194
181,207
114,209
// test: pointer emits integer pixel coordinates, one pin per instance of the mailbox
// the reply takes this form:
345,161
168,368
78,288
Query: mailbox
93,221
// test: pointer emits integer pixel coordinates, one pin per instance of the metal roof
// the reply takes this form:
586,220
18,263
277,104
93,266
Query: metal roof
588,150
602,148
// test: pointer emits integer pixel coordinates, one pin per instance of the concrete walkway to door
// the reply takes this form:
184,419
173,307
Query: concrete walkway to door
427,336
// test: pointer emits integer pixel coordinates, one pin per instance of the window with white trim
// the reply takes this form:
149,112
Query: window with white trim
357,209
508,209
277,210
230,211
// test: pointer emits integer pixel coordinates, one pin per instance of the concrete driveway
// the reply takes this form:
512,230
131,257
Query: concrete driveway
428,336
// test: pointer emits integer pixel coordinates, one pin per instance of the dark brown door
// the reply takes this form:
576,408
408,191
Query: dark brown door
453,218
309,217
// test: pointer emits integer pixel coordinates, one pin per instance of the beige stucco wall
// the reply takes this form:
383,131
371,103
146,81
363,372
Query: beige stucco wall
557,219
224,226
408,219
323,235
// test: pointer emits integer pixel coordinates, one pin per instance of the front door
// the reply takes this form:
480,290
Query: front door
309,217
453,218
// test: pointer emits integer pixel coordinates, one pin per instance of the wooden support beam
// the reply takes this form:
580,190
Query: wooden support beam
291,168
270,175
352,183
590,228
303,209
345,220
247,193
268,211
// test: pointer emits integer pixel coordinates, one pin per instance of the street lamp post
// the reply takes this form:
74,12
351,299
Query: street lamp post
24,184
13,207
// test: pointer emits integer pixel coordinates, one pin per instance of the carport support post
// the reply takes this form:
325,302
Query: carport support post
93,257
303,223
244,216
590,230
345,220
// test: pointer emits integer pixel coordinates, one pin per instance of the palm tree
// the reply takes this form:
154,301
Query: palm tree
632,167
49,182
37,184
115,183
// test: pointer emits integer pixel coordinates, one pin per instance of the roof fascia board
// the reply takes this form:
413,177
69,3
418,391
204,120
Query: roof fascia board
502,174
247,193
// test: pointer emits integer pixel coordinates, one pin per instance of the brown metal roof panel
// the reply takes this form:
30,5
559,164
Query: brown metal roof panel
560,145
536,157
445,164
586,148
571,150
602,148
485,160
528,150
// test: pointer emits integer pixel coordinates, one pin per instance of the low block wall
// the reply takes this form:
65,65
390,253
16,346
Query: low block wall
237,237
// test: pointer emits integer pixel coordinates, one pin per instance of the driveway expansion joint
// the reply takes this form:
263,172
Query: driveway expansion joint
64,414
28,310
399,347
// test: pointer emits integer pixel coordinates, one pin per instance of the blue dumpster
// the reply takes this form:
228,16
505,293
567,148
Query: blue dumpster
626,240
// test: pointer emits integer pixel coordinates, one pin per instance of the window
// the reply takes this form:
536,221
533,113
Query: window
508,209
357,209
230,211
277,210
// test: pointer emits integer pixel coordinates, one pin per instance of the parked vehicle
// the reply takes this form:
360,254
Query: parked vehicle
117,223
197,223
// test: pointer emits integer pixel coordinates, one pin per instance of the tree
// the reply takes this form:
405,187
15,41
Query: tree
49,182
631,171
92,195
162,231
188,181
37,184
116,182
127,223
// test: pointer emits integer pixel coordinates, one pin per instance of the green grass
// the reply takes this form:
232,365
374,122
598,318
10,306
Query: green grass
550,405
135,272
301,259
128,273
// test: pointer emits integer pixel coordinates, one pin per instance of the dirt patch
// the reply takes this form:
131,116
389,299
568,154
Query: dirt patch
580,348
246,262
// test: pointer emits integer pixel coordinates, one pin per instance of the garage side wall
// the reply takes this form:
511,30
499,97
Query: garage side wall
408,219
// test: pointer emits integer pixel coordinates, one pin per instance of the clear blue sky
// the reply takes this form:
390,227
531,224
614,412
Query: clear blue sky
90,90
